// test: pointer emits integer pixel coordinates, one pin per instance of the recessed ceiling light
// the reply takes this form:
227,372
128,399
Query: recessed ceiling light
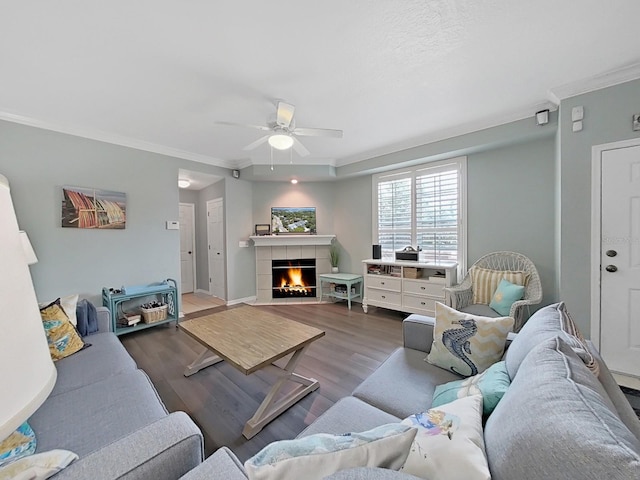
294,181
184,183
281,141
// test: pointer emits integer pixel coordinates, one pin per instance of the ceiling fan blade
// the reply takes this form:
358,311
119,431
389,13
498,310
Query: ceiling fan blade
284,115
299,148
258,127
317,132
257,143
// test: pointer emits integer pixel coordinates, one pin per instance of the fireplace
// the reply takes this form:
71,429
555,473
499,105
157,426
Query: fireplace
293,278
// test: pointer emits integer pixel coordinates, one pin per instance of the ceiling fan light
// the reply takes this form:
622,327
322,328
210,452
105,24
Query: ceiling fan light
281,141
184,183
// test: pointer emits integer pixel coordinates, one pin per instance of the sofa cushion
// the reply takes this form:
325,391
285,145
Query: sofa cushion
85,420
449,442
365,473
105,358
349,414
546,323
556,421
467,344
403,384
384,446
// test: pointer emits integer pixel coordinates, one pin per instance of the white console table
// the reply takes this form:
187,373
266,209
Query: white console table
406,286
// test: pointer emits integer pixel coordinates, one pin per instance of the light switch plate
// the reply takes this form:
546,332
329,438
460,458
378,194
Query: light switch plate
636,121
577,113
577,126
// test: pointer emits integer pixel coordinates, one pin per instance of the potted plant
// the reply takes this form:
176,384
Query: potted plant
334,258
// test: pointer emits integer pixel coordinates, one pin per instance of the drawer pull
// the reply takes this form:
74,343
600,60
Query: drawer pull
383,296
422,288
381,283
422,303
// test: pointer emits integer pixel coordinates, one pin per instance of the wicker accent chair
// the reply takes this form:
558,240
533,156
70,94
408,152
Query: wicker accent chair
461,295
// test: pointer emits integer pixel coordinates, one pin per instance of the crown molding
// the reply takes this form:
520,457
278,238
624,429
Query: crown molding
456,131
597,82
121,140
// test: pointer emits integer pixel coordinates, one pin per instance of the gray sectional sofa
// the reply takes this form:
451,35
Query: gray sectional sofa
106,410
557,419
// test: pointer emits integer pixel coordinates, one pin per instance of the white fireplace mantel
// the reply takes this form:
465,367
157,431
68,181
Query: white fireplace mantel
284,240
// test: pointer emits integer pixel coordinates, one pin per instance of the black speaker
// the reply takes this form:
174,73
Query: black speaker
377,251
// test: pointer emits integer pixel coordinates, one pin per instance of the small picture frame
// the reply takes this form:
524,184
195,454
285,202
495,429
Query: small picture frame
263,229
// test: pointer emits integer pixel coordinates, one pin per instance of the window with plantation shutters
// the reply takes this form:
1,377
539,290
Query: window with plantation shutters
422,206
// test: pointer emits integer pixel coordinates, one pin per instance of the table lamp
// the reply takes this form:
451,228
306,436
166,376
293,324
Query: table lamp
26,369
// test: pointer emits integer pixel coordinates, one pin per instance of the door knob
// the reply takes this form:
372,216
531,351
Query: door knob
189,252
611,253
611,268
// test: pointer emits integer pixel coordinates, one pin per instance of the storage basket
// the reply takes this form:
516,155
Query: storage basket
153,315
411,272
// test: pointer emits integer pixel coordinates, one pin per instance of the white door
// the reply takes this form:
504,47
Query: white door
215,233
620,260
187,247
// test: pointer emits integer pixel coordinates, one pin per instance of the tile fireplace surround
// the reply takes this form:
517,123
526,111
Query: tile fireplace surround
288,247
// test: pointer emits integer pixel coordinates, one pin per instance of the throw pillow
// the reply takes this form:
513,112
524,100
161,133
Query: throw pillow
39,466
68,304
319,455
576,341
467,344
20,443
505,295
485,282
62,337
449,443
491,384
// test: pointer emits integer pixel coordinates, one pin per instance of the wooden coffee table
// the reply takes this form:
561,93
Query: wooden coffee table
251,340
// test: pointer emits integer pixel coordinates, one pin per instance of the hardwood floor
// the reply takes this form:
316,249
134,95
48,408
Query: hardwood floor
220,399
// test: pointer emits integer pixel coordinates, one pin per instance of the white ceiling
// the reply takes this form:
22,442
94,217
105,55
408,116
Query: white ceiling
159,74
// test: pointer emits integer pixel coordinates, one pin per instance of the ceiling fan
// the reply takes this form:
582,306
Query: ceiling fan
283,132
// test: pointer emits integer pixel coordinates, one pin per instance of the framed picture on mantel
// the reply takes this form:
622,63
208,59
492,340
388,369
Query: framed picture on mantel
293,220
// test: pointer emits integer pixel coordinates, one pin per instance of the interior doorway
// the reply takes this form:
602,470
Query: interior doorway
187,247
215,238
616,258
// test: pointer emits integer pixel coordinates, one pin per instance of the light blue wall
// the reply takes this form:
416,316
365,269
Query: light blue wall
511,206
241,261
607,118
39,162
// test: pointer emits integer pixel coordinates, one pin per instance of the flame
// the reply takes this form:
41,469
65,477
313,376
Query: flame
294,282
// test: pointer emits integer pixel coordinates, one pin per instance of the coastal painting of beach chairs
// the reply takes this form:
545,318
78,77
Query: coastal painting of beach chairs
93,208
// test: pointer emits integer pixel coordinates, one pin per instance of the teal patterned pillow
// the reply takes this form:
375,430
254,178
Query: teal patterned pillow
19,444
505,295
492,384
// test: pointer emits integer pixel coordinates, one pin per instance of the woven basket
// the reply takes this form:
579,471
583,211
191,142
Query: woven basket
153,315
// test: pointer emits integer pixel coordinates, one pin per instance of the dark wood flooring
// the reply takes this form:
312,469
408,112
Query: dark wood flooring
220,399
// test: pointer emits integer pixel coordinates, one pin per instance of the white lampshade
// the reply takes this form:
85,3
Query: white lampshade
281,141
29,254
27,373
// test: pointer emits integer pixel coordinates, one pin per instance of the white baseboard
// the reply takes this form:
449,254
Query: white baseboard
204,292
241,300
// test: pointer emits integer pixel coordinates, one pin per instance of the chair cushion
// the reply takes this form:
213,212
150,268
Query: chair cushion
485,282
505,295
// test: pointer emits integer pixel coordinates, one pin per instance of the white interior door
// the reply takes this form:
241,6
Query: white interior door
187,247
215,233
620,260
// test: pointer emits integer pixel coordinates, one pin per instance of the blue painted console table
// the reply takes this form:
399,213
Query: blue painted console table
347,279
166,292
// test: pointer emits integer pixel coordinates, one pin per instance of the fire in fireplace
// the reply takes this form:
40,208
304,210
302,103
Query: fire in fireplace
293,278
